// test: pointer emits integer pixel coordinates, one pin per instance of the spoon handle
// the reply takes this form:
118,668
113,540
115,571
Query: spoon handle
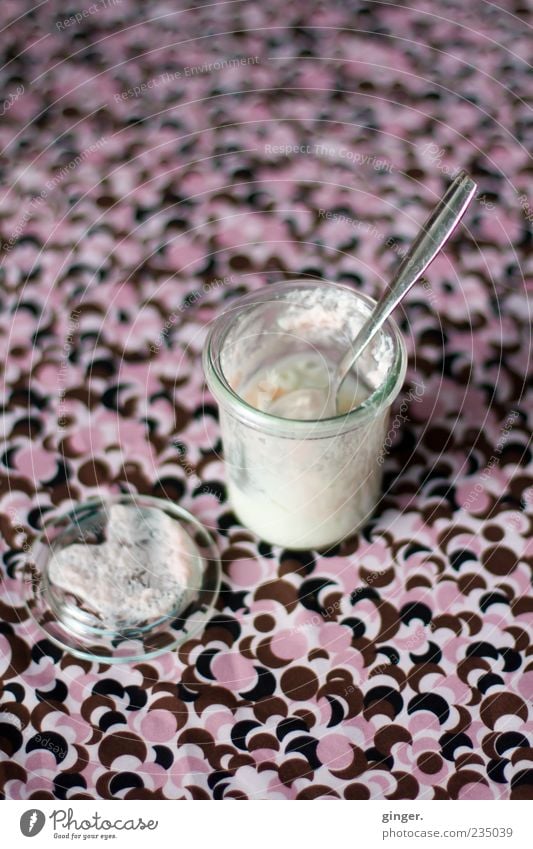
434,233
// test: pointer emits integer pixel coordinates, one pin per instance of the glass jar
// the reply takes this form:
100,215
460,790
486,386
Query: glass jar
301,483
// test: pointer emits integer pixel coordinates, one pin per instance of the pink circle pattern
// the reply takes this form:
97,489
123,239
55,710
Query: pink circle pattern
307,140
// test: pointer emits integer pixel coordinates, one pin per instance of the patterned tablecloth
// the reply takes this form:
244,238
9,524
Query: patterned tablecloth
156,164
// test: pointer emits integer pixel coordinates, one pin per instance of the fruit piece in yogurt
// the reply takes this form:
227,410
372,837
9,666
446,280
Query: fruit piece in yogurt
298,387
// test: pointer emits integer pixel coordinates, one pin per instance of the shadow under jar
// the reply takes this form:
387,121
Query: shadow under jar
302,483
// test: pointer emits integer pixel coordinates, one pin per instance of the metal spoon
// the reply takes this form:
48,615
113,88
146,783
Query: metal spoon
437,229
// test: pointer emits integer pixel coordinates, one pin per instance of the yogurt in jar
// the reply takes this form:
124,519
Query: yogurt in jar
296,475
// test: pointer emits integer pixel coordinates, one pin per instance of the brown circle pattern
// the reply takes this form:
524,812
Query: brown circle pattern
156,165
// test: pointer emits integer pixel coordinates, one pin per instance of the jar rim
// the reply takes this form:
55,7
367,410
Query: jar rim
381,397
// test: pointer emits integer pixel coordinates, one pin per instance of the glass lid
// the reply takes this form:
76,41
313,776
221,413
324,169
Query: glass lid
122,578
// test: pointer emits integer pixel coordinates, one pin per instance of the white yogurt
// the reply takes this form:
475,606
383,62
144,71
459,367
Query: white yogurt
303,492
